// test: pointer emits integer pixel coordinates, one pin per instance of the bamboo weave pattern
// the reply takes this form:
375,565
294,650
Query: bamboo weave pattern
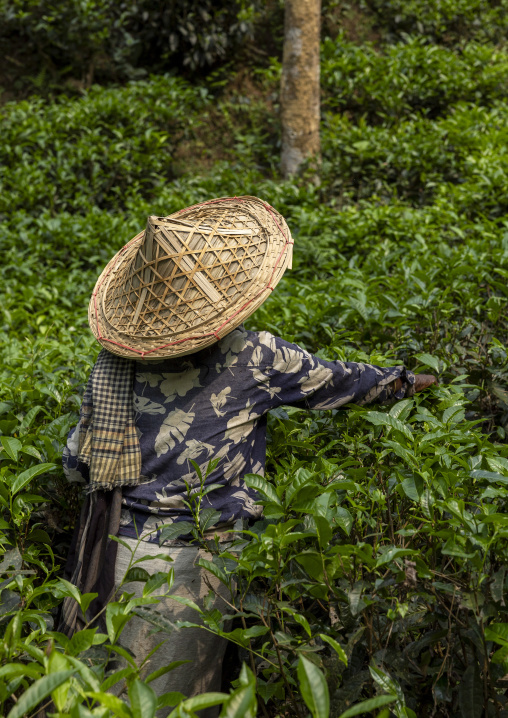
190,278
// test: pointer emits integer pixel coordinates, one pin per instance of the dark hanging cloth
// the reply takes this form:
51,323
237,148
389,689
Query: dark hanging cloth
91,561
108,445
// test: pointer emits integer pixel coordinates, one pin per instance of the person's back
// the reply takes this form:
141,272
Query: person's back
213,405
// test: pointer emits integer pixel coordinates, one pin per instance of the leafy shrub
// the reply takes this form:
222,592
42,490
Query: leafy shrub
104,39
122,142
441,21
409,76
413,159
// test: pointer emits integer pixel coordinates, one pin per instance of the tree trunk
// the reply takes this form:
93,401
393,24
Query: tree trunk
299,96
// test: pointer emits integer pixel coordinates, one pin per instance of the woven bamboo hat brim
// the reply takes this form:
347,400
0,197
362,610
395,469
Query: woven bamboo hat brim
190,278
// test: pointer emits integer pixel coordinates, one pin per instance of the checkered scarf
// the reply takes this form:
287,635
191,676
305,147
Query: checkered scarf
108,441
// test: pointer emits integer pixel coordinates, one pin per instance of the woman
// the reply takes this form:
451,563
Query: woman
180,382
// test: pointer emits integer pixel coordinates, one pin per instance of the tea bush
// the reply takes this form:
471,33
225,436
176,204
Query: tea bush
122,142
375,583
441,21
105,40
409,76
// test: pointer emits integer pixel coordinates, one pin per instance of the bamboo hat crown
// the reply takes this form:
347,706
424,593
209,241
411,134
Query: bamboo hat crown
190,278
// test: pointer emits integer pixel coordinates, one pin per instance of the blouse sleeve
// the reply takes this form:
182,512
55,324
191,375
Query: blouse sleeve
297,376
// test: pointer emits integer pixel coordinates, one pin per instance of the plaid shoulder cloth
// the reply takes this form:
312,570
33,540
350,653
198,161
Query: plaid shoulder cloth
108,441
109,444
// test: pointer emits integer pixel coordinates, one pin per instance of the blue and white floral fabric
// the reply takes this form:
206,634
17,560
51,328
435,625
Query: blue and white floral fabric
214,405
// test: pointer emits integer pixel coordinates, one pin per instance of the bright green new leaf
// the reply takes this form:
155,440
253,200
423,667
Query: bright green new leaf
336,647
205,700
116,618
254,481
242,702
429,360
38,691
391,554
313,688
155,581
379,419
368,706
26,476
110,701
10,670
142,699
497,632
11,446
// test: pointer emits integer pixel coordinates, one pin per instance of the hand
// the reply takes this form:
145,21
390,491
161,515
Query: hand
423,381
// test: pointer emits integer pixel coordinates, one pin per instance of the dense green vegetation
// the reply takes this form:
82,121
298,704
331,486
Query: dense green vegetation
376,582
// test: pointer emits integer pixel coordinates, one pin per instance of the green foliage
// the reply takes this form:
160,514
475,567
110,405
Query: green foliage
376,582
409,76
122,144
441,21
103,39
74,675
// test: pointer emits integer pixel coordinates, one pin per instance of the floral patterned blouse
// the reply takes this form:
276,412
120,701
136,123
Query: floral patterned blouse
214,405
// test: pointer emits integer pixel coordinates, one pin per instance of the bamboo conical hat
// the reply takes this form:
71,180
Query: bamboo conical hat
190,278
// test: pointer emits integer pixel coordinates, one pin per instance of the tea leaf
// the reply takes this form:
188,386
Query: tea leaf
471,693
313,688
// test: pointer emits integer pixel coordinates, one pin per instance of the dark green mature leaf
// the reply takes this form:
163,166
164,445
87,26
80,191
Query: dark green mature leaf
156,618
81,641
471,698
174,530
136,573
491,476
213,569
29,418
170,699
497,585
324,530
312,562
207,519
413,487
